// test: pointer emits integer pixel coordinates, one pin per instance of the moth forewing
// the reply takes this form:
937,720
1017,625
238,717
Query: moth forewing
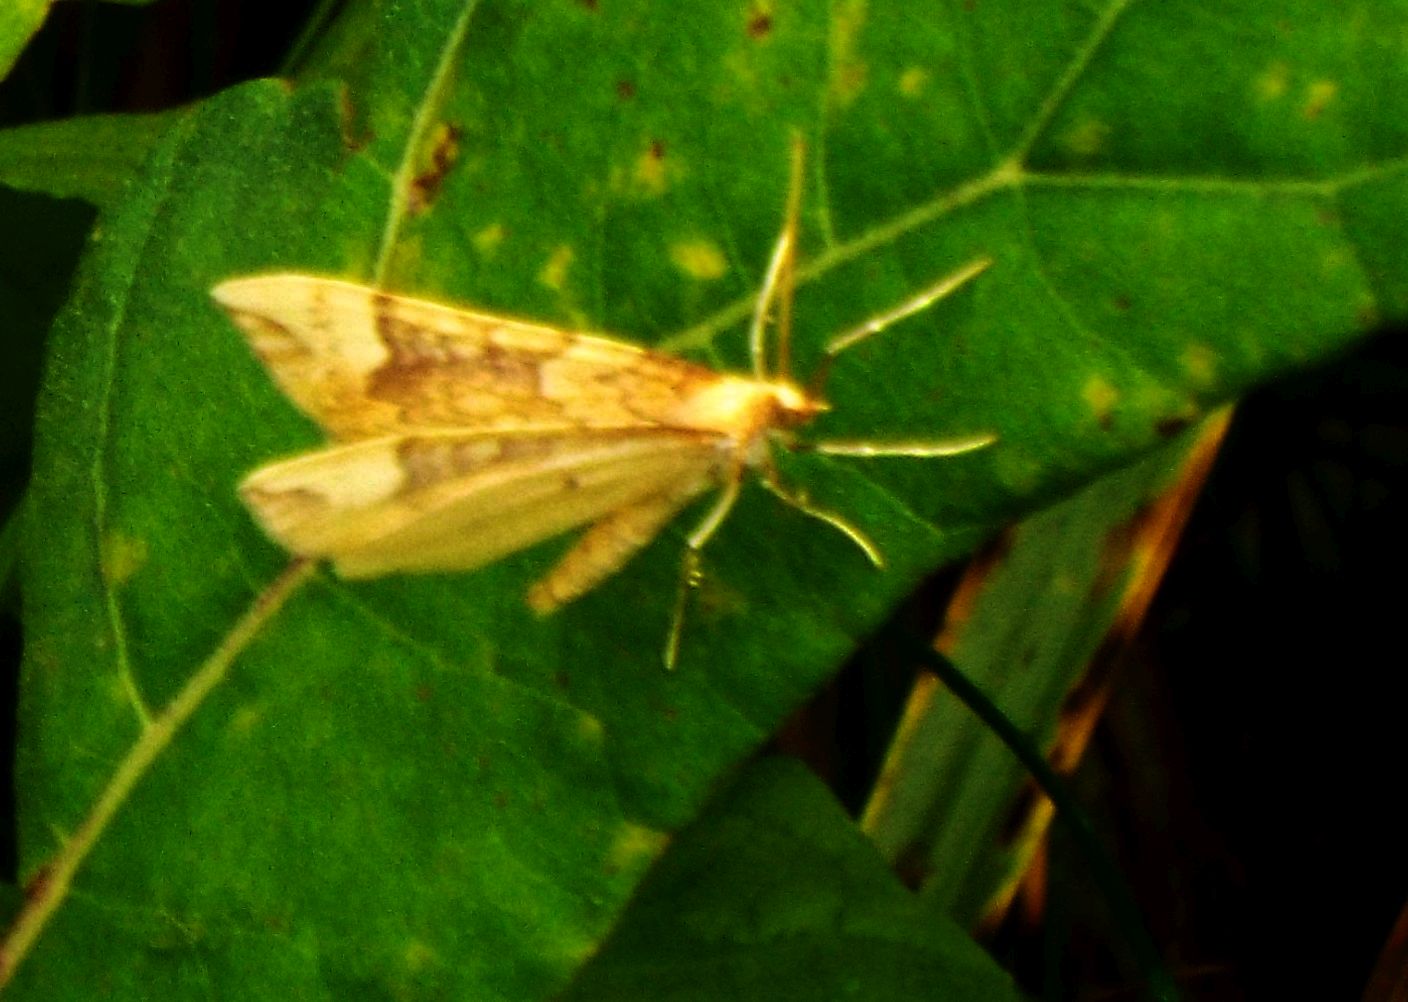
362,363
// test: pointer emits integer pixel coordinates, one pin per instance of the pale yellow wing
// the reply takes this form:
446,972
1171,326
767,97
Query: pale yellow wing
364,363
457,501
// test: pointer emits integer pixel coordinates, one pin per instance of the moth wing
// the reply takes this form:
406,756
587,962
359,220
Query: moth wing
364,363
457,501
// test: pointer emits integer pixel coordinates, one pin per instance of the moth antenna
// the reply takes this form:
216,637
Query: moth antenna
757,343
920,301
931,449
914,304
787,285
778,281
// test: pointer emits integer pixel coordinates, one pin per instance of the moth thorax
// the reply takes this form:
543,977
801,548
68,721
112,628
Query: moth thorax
745,408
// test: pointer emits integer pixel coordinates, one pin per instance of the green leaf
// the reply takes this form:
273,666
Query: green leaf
413,787
90,157
1051,597
19,20
772,894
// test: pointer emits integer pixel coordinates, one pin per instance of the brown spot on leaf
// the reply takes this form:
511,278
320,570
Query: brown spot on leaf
1122,303
443,154
1112,563
352,139
625,90
760,24
38,884
1171,426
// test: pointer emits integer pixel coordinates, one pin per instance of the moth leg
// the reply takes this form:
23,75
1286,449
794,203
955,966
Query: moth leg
606,546
690,576
843,525
690,573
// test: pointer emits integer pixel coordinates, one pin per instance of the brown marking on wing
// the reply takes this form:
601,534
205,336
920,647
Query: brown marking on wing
430,461
273,342
332,394
510,375
649,391
434,380
425,461
288,506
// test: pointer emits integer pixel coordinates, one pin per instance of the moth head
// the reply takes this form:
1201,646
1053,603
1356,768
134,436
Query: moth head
793,406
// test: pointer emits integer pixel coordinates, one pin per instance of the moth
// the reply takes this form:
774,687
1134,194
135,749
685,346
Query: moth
460,437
